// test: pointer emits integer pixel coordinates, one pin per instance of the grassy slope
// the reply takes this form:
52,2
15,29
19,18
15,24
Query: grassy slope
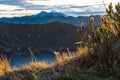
69,66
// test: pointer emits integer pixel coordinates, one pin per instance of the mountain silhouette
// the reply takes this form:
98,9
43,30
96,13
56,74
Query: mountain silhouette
48,17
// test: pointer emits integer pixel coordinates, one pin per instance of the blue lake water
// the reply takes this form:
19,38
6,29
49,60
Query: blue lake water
19,60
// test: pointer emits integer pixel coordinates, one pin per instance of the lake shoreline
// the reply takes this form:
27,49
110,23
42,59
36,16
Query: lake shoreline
43,51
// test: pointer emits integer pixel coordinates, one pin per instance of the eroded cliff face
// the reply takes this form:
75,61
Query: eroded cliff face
48,37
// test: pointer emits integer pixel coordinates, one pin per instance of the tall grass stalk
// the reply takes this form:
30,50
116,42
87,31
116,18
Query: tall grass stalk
32,55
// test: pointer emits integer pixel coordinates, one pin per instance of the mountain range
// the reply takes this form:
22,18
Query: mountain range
43,31
48,17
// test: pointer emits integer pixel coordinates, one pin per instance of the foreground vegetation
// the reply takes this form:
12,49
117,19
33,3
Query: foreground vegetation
97,58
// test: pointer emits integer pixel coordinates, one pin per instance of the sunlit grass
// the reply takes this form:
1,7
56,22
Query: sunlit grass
4,66
82,51
64,56
67,66
34,66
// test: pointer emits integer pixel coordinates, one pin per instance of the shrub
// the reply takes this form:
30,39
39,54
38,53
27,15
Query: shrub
105,41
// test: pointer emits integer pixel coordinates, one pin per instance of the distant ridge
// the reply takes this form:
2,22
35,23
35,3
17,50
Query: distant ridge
52,13
48,17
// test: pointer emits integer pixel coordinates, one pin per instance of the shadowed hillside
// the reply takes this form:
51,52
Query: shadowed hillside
48,37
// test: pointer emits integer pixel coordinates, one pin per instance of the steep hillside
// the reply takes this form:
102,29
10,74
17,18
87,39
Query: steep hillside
52,36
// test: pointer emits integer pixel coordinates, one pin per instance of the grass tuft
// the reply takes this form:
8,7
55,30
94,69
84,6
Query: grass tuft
4,66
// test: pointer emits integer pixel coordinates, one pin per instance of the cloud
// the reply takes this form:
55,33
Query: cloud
65,5
18,13
14,8
9,7
61,2
12,2
84,13
70,7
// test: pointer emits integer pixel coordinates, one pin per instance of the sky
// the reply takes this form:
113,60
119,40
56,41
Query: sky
18,8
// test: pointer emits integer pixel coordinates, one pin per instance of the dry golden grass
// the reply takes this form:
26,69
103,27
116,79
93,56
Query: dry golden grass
66,64
60,57
4,66
34,66
82,51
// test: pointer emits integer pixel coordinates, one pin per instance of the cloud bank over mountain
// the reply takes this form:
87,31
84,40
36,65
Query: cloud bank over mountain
11,8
